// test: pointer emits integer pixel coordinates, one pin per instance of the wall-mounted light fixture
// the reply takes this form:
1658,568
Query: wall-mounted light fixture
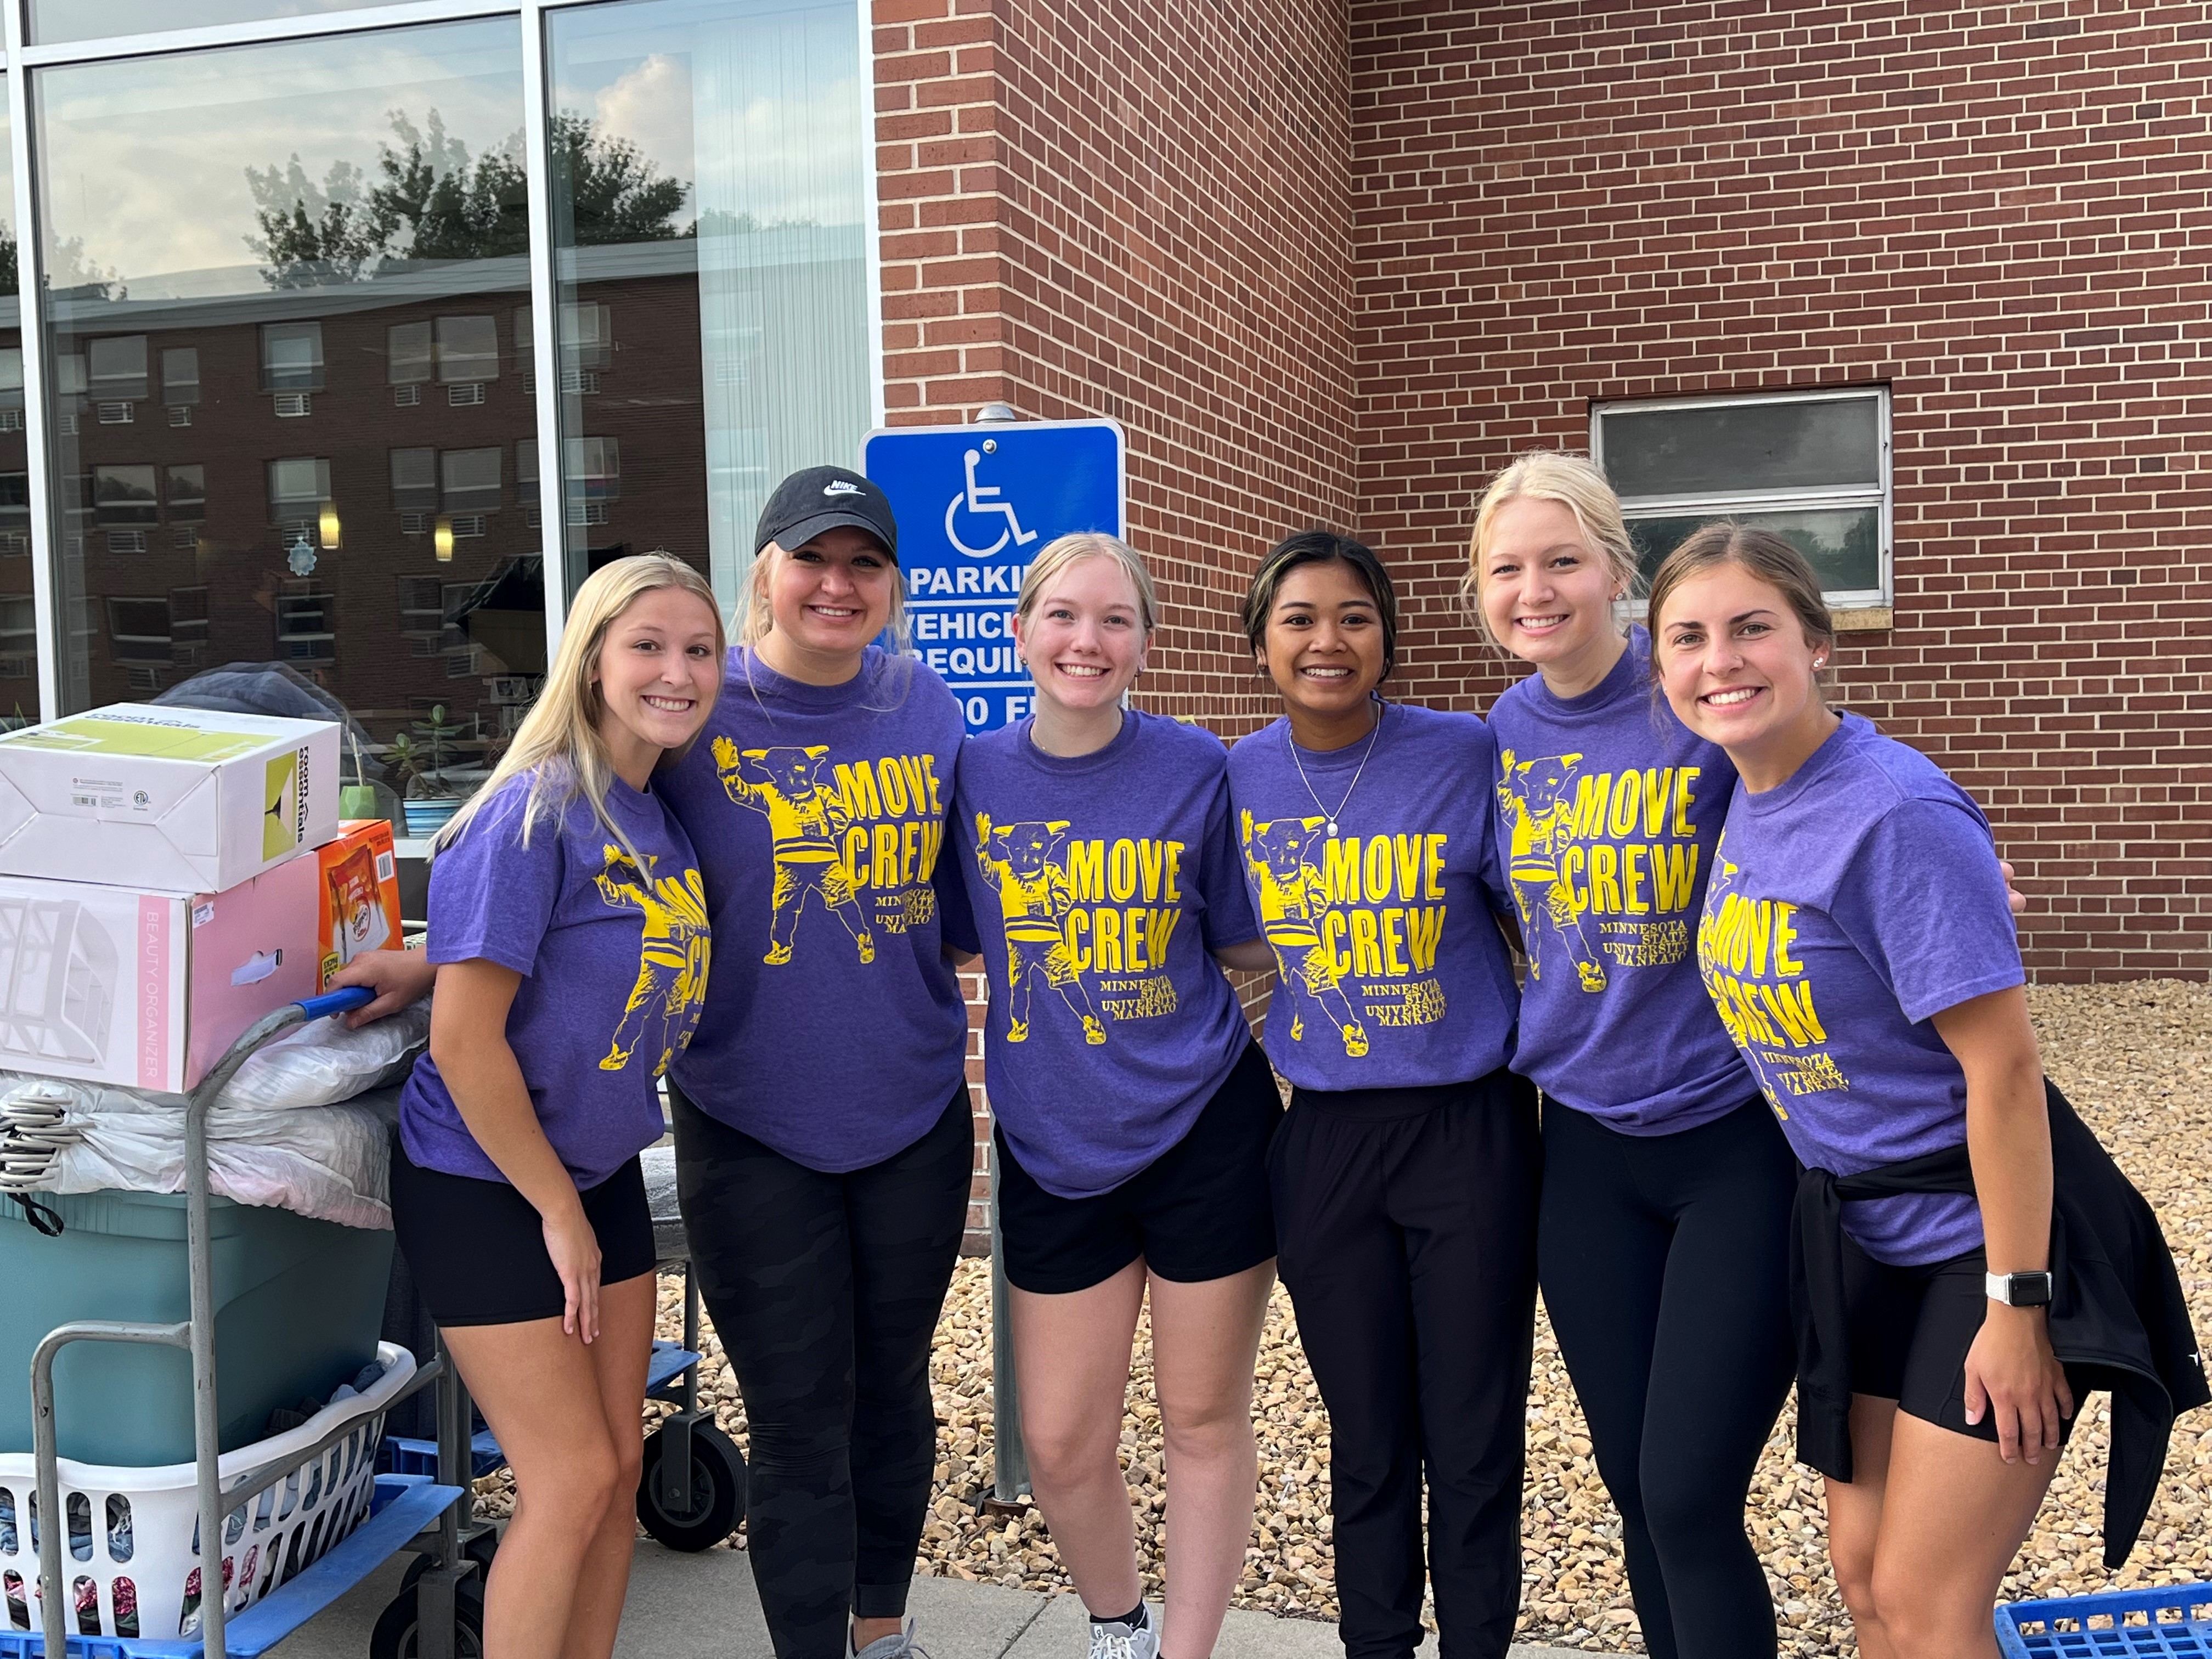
328,526
441,538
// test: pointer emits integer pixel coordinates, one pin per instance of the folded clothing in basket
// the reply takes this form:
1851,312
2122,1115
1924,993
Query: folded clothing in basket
293,1128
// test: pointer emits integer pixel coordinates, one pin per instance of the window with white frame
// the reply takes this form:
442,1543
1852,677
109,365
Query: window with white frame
1814,467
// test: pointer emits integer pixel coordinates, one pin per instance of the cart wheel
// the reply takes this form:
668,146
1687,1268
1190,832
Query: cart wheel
479,1549
396,1636
717,1491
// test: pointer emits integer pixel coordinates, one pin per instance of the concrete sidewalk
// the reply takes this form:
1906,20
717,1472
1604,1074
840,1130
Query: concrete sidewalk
703,1607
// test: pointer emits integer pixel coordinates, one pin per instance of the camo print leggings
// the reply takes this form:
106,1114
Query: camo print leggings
825,1289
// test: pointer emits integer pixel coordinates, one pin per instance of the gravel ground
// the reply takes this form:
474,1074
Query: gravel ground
2135,1059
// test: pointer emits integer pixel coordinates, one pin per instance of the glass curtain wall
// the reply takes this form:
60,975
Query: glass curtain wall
283,431
290,312
710,229
19,615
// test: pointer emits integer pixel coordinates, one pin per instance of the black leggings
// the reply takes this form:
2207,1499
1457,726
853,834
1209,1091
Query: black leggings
1407,1223
825,1289
1664,1261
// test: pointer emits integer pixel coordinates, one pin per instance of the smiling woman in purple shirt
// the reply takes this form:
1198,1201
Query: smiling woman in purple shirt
567,916
1856,940
1405,1175
824,1139
1133,1108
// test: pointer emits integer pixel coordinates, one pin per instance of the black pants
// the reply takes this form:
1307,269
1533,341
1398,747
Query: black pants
825,1289
1406,1221
1665,1266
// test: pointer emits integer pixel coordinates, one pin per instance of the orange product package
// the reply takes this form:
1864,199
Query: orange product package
360,890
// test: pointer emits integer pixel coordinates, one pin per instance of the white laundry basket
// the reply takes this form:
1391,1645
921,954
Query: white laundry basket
132,1559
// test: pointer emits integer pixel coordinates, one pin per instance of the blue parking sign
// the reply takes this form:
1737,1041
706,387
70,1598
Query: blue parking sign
975,504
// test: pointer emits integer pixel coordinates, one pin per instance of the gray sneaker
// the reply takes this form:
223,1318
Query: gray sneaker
900,1646
1115,1640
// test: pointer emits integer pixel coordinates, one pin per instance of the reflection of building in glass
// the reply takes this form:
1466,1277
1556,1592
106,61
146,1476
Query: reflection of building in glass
57,982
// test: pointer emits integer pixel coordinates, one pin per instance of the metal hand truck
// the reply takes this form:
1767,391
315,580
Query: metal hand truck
437,1615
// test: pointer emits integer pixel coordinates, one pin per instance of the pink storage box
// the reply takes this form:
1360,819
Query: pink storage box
144,989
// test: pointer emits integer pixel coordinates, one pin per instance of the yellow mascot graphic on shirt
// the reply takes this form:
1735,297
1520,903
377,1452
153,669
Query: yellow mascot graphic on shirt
806,818
1292,901
1537,796
1024,864
671,969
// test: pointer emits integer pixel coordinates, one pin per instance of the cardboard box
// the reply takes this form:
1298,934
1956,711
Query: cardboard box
146,989
164,800
358,889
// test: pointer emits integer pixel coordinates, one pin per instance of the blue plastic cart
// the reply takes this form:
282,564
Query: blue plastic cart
2138,1624
438,1615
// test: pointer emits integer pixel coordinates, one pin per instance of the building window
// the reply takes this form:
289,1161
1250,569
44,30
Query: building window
291,356
118,368
1811,466
187,494
122,495
414,480
180,376
594,468
138,629
468,349
407,351
471,480
307,626
298,486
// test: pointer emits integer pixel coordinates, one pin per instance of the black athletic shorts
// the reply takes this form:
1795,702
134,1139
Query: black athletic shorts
1201,1210
477,1248
1910,1331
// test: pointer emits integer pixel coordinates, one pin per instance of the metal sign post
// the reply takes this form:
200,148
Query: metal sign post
975,504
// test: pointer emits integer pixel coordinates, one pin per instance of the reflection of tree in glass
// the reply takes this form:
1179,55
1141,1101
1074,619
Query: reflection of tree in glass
430,201
609,190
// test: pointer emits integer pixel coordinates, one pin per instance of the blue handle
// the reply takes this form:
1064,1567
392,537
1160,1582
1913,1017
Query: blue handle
337,1002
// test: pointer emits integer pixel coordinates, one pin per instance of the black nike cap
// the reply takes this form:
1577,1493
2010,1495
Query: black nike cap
822,498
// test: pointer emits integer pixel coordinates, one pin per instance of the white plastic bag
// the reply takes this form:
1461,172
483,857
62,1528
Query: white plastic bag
323,1061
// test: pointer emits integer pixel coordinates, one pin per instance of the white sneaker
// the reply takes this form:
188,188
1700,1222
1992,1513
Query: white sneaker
901,1645
1115,1640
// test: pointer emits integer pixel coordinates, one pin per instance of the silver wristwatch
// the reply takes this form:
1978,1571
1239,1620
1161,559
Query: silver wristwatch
2019,1290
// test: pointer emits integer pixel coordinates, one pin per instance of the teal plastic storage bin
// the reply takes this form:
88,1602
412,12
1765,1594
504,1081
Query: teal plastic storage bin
298,1306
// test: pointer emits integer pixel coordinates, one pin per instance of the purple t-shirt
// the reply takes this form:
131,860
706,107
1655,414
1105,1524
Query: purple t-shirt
1100,883
612,953
1609,808
1393,973
835,1031
1846,907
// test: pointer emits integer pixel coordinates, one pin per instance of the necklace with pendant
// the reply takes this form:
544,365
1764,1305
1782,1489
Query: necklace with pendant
1333,817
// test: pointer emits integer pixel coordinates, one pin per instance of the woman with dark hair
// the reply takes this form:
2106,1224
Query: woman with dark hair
1405,1175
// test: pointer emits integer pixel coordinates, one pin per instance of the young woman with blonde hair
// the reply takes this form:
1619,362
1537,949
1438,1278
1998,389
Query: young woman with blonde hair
824,1138
1133,1109
1667,1182
1668,1185
1856,943
569,932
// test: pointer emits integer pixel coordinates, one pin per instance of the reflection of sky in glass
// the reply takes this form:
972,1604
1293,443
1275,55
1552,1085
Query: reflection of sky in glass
144,161
628,67
93,20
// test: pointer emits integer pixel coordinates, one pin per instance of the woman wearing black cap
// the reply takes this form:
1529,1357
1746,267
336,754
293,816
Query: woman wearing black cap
824,1139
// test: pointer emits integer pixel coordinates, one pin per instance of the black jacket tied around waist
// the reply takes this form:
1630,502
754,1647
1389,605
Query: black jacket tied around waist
2117,1318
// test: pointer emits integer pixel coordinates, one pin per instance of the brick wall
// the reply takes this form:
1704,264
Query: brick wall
1138,209
1337,260
2000,211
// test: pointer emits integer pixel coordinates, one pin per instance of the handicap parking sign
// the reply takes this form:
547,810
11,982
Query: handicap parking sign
975,504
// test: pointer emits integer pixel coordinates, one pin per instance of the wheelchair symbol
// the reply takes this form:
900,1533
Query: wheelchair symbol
978,499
